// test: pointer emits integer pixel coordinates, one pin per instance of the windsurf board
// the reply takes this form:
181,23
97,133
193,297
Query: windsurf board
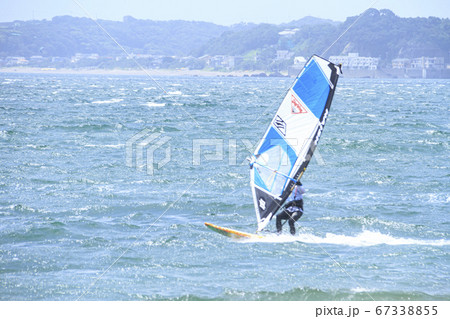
235,234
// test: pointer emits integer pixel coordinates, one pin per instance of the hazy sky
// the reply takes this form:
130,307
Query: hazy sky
225,12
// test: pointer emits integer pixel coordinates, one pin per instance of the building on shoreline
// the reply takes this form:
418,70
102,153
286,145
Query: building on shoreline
353,65
299,63
422,67
353,61
428,63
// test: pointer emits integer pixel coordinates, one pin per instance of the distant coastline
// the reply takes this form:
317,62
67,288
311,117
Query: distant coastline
152,72
354,74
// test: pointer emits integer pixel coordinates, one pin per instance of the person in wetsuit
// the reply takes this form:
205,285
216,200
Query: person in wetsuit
293,209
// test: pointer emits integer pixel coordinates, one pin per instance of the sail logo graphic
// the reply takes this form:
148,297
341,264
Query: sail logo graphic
144,145
296,106
321,125
262,204
280,124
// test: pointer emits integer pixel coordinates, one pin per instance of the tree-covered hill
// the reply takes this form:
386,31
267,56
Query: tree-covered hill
241,41
384,35
378,33
64,36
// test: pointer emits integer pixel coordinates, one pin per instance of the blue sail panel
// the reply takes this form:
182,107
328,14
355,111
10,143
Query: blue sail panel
273,138
259,181
273,157
313,88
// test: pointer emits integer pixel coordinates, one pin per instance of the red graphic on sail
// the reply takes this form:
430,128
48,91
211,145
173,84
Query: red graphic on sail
297,107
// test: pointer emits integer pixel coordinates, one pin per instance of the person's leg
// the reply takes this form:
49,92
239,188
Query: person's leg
281,216
293,218
292,226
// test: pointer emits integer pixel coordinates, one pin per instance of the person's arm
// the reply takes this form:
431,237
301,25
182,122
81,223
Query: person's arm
301,189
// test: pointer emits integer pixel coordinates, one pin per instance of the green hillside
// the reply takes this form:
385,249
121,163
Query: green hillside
64,36
378,33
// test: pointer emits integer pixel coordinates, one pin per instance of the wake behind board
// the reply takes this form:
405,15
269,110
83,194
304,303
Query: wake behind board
235,234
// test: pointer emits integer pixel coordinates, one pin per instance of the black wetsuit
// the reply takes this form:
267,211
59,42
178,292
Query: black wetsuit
292,211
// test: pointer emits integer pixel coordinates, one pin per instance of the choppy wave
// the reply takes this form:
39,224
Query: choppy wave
369,221
154,104
365,238
107,101
174,93
302,294
105,146
70,206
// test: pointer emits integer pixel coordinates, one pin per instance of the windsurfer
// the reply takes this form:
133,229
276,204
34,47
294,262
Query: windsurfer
293,209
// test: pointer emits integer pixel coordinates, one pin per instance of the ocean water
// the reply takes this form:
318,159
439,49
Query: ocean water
88,214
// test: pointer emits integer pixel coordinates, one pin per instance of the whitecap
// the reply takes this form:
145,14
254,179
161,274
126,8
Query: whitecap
154,104
107,101
362,289
105,145
364,239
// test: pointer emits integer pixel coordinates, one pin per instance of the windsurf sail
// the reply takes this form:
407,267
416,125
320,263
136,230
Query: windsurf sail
284,152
